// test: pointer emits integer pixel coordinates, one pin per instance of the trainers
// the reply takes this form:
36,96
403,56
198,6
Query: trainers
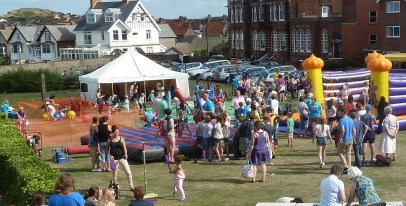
96,170
173,194
226,159
182,199
321,165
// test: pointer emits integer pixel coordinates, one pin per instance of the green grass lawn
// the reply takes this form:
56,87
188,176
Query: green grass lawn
296,173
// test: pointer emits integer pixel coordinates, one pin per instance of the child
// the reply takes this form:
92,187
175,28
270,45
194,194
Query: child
126,104
289,129
199,134
241,110
109,110
218,137
218,108
183,119
207,140
226,133
151,96
178,177
365,92
141,102
345,92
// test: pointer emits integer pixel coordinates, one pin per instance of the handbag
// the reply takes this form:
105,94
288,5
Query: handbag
247,169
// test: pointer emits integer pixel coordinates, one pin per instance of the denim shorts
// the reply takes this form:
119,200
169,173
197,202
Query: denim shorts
303,124
207,143
321,141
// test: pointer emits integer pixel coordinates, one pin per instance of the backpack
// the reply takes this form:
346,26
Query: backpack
382,161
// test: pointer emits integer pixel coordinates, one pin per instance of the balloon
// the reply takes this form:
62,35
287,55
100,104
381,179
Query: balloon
57,115
46,116
86,118
71,114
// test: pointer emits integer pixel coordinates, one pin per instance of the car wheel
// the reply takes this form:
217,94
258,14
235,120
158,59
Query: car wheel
227,80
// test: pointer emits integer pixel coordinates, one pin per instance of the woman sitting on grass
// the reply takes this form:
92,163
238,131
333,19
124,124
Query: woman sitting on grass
64,194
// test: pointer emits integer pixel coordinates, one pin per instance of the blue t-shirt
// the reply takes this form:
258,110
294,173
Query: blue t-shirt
73,199
196,88
348,124
208,106
235,82
315,110
241,111
247,109
359,130
4,109
308,101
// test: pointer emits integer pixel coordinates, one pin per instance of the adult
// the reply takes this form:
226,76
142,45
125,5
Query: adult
304,117
346,137
361,187
118,152
321,131
291,86
390,127
104,135
99,100
161,107
259,150
309,99
381,113
208,106
64,193
155,101
360,129
314,112
369,138
360,110
135,95
275,104
139,198
93,196
301,85
235,102
94,144
170,134
332,188
281,87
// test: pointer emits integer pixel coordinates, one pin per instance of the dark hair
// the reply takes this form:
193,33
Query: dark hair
38,198
240,104
92,192
95,119
103,119
297,200
342,108
52,96
114,128
258,125
336,170
353,115
168,111
138,193
301,98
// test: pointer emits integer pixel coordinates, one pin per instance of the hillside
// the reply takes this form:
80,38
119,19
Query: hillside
27,14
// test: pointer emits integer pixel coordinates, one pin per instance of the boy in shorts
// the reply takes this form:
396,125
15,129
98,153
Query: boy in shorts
289,129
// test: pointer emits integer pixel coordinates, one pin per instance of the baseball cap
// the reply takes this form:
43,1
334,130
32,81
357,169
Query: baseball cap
368,107
248,100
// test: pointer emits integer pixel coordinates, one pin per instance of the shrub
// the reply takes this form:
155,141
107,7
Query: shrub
25,171
30,81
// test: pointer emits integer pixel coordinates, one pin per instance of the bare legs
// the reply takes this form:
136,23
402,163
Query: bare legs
263,167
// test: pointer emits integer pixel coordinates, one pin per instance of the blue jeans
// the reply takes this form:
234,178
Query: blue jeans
357,148
103,153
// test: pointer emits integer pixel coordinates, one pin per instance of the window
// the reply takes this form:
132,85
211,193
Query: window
261,13
102,35
294,41
142,19
47,49
90,18
254,40
274,13
274,40
324,41
282,41
372,17
372,39
271,13
392,6
88,37
262,41
232,15
47,36
150,49
241,15
241,40
125,50
2,50
134,17
232,40
124,34
393,31
301,41
282,12
16,49
109,17
148,35
308,41
30,50
324,11
115,35
254,14
18,37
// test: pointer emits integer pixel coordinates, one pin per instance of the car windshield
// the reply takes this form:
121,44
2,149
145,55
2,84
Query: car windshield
252,72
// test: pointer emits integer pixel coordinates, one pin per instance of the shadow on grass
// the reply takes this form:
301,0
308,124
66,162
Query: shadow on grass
308,169
223,180
68,170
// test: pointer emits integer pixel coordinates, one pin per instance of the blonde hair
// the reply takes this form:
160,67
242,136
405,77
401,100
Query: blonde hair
108,197
65,184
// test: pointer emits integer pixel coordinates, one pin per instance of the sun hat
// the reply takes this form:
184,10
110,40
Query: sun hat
368,107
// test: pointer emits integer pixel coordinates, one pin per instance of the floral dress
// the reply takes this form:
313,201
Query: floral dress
365,191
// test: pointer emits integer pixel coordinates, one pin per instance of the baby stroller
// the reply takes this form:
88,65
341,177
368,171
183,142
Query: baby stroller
34,141
150,119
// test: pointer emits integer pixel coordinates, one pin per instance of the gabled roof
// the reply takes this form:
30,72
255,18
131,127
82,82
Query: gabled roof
101,25
28,32
60,32
166,31
180,50
6,33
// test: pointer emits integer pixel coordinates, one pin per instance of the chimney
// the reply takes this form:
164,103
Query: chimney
93,3
125,1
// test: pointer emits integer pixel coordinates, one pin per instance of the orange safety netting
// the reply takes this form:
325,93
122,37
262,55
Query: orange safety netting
66,131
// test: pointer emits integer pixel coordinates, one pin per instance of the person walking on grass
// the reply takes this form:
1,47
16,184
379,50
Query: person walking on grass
259,149
321,132
369,138
360,130
218,137
346,138
178,178
289,129
207,140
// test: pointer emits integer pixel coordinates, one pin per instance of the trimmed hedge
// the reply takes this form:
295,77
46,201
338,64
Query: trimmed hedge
22,171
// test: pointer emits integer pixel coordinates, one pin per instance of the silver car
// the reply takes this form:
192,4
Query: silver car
225,73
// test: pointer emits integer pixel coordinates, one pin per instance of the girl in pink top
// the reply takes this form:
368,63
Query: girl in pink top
178,177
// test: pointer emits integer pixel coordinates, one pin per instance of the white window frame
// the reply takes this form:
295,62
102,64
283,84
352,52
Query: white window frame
376,39
376,17
294,41
390,31
241,37
87,36
232,15
241,15
115,35
282,41
47,36
274,41
90,18
150,49
47,49
261,13
281,12
271,13
254,14
301,41
18,37
233,39
275,16
124,35
308,41
392,7
148,34
109,17
325,10
16,49
324,41
102,36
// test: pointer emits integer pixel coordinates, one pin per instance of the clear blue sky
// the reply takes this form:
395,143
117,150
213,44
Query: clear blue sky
157,8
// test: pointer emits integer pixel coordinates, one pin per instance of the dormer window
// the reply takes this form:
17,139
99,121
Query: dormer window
109,17
92,15
18,37
90,18
47,36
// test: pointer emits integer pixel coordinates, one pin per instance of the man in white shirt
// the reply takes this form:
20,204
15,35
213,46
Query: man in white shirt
155,101
332,188
236,101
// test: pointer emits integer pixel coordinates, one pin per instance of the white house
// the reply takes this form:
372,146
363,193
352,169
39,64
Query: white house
20,40
124,25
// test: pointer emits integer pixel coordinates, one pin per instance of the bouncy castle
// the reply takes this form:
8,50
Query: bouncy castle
383,81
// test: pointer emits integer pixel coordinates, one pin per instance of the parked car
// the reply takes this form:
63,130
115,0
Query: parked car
189,67
216,57
290,69
208,74
194,74
226,72
269,64
254,73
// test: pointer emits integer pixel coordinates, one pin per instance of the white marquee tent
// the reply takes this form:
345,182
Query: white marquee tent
129,68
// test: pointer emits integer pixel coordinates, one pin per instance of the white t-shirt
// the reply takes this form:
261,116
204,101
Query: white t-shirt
218,131
331,112
51,110
360,113
275,106
320,132
236,100
330,188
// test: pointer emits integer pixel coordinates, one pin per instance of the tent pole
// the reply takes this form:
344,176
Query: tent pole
145,90
112,89
125,89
